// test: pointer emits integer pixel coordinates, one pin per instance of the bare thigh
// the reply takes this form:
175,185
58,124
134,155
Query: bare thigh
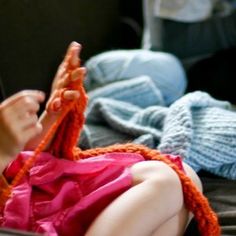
154,200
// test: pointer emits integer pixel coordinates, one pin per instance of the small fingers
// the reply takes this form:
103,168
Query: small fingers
63,82
31,131
27,106
36,95
30,121
74,60
71,61
78,73
72,54
71,95
19,106
25,129
73,76
61,70
55,104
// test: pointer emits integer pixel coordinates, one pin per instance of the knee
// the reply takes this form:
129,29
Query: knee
159,180
157,174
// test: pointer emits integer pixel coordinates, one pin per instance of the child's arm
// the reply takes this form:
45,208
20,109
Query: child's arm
18,123
61,81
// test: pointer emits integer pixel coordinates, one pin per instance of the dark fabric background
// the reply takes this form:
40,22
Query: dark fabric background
35,35
215,74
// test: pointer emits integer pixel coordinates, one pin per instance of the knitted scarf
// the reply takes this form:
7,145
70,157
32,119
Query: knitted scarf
68,128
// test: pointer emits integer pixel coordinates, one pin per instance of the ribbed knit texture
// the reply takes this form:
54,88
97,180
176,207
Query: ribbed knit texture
203,131
72,120
214,138
178,127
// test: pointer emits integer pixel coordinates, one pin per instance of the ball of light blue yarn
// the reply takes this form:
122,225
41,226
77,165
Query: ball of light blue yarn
164,69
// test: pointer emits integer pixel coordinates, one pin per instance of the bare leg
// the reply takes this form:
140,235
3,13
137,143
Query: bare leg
177,224
155,198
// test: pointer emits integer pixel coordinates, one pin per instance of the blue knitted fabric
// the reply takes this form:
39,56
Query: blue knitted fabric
203,132
127,118
214,138
199,128
133,90
135,106
179,128
120,65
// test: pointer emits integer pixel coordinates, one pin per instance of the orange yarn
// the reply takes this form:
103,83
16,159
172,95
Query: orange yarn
69,126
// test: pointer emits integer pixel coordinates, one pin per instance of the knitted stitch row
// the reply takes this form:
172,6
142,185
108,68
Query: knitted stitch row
68,128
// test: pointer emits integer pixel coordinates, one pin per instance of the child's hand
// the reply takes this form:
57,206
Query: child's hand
63,91
71,62
69,72
18,123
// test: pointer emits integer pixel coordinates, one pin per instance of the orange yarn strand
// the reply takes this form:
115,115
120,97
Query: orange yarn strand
70,128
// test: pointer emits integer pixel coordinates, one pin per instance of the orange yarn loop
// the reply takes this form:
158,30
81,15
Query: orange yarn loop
68,128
